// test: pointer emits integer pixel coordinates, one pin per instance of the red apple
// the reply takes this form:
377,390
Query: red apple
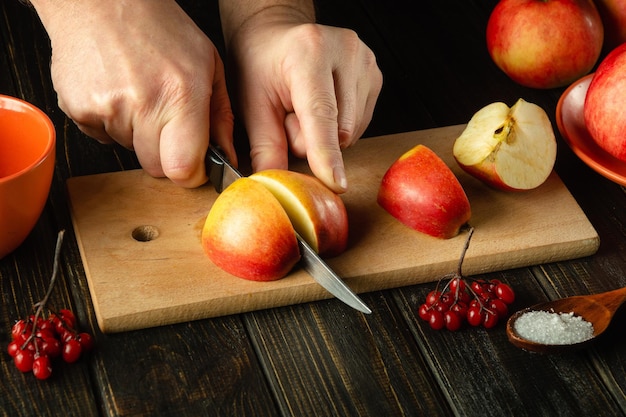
316,212
613,14
511,149
605,102
250,229
421,191
545,43
248,234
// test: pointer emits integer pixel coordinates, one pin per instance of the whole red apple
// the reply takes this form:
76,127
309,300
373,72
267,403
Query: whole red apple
545,43
605,102
613,14
421,191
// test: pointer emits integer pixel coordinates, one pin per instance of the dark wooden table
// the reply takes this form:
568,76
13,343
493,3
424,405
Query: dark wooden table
321,358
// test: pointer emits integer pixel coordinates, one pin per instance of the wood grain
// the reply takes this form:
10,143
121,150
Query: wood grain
168,279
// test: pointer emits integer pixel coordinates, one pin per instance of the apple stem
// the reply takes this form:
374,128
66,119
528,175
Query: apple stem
467,243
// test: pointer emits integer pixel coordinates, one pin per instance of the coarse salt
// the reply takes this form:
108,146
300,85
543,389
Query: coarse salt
552,328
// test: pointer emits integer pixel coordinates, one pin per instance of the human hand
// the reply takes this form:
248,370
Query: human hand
305,87
144,75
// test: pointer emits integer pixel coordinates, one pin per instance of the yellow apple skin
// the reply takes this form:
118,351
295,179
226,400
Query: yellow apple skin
421,191
248,234
317,213
510,149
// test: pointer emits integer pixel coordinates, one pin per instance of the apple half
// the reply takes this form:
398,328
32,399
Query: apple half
421,191
248,234
511,149
250,229
316,213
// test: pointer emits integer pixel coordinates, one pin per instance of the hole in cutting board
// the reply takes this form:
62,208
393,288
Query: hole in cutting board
145,233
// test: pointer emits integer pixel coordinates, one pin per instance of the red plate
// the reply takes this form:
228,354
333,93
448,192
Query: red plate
571,124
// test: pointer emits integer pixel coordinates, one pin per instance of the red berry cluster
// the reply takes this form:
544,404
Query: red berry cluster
36,341
480,303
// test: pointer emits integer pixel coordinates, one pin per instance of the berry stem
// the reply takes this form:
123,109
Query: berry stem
465,247
41,304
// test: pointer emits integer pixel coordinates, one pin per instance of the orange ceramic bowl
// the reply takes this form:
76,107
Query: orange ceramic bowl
27,145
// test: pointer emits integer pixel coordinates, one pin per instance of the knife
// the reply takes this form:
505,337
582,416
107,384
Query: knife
222,173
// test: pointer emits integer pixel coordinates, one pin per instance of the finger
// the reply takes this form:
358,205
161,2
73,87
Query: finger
315,104
222,119
295,139
95,133
346,91
266,132
357,93
183,144
147,148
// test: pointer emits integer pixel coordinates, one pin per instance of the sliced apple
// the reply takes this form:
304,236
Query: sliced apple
421,191
316,212
508,148
247,233
250,229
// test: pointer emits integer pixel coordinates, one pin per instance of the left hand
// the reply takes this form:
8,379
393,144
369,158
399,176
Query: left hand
305,87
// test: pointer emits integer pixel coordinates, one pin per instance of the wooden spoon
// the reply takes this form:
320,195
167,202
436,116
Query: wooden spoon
598,309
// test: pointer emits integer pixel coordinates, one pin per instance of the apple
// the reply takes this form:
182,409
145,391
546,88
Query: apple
511,149
545,43
421,191
247,233
613,14
604,105
318,214
250,231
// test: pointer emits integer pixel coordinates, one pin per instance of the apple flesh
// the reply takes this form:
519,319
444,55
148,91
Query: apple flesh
247,233
316,212
545,43
510,149
421,191
604,105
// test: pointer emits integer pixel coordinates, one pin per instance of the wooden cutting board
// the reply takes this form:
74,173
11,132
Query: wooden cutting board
139,238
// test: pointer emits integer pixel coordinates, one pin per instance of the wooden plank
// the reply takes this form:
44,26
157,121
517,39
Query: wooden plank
324,359
138,284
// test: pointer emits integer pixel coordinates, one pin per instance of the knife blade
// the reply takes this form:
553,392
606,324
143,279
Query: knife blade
222,173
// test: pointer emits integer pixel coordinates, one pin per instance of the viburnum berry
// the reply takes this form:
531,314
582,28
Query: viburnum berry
455,300
475,316
13,348
453,320
436,320
505,293
38,339
71,351
42,368
86,341
23,360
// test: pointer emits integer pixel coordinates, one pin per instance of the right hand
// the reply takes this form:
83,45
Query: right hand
141,74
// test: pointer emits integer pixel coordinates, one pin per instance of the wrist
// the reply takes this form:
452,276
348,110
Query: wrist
260,15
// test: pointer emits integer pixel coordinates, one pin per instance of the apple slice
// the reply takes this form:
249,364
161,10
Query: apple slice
316,212
247,233
511,149
421,191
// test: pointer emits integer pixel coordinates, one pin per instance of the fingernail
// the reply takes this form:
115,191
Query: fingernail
339,175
